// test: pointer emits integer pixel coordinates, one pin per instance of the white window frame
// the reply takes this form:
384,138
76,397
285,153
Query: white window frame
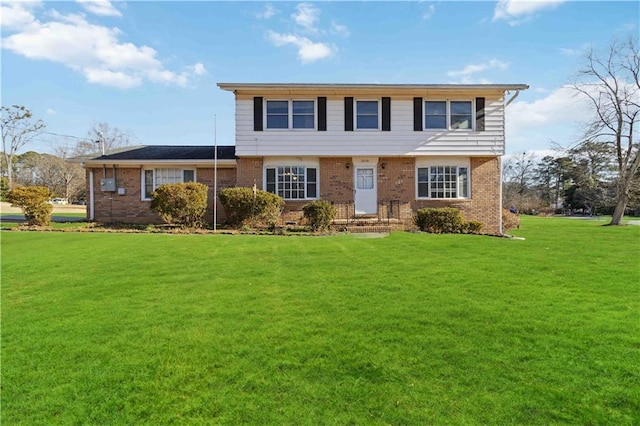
444,162
290,115
447,102
143,184
306,183
355,115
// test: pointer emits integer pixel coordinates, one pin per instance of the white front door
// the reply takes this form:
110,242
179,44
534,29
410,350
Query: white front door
366,196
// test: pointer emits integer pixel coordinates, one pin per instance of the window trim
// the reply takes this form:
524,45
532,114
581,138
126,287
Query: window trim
448,128
457,166
303,165
143,186
289,127
355,115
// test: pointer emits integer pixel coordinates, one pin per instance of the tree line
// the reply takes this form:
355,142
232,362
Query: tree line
599,174
582,180
56,171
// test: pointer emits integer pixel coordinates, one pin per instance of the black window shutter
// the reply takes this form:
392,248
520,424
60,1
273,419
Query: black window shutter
257,114
480,114
386,114
348,114
417,114
322,114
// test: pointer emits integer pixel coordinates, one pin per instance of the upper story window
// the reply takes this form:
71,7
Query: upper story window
367,115
290,114
152,178
448,115
292,182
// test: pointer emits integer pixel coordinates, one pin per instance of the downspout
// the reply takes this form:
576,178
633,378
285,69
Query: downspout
500,196
513,98
91,200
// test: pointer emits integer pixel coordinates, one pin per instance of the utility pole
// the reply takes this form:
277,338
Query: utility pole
215,173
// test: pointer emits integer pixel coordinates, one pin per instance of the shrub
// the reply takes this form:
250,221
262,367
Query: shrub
34,202
183,204
319,214
509,220
446,220
248,206
4,188
473,227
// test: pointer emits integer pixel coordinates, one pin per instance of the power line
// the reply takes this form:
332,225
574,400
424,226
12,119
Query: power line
51,133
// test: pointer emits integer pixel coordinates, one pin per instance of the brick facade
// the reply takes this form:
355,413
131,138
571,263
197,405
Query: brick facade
110,207
395,185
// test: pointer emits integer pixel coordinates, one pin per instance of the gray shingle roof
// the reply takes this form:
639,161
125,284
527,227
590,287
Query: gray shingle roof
171,152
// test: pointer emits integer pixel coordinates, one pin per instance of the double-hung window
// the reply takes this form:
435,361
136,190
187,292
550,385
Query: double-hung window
443,182
448,115
291,114
367,115
152,178
292,182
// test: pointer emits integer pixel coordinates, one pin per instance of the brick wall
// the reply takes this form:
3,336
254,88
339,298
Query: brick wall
110,207
249,172
484,204
336,180
396,182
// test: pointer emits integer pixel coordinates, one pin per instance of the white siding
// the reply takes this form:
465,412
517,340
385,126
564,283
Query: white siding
402,140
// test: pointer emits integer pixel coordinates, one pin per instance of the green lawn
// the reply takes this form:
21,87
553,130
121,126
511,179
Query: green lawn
125,329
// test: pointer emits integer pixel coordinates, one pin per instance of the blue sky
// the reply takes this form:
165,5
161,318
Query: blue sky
151,67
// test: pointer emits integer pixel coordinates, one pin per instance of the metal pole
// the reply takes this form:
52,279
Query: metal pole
215,173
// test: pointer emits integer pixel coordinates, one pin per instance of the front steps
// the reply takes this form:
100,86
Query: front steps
368,224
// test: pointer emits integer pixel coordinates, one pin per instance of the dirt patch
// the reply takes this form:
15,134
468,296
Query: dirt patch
6,208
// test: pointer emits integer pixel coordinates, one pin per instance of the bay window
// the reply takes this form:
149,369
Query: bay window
292,182
443,182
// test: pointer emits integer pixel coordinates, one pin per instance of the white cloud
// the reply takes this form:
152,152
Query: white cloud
307,16
471,69
428,12
95,51
515,12
268,12
556,117
198,69
308,51
100,7
339,29
51,111
16,15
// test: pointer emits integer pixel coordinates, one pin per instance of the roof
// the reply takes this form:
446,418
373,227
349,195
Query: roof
399,87
168,152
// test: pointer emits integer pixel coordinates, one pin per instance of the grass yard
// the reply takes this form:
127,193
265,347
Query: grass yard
126,329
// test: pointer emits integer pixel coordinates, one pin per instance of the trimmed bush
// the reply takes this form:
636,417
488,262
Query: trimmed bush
34,202
473,227
183,204
319,214
446,220
246,206
510,220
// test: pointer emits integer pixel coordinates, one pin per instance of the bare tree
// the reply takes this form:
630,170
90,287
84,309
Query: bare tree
18,129
611,85
103,136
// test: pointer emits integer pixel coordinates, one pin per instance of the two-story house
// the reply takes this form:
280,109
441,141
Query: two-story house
374,150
